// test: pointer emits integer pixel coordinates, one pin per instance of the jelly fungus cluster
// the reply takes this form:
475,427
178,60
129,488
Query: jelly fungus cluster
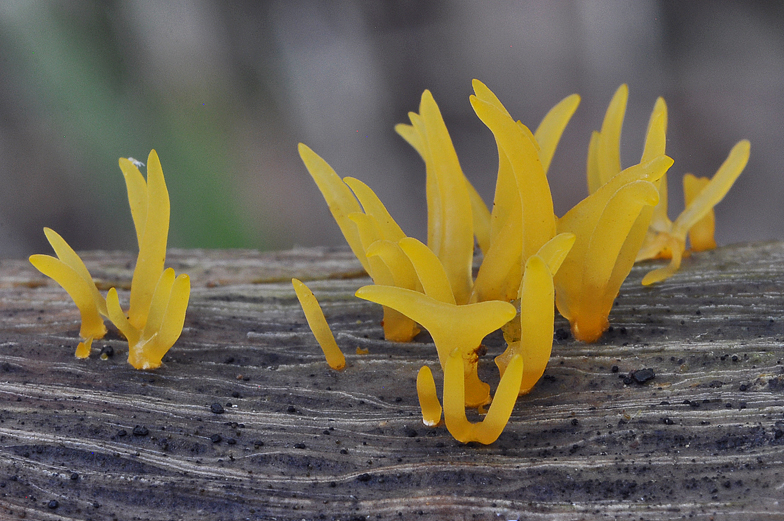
532,261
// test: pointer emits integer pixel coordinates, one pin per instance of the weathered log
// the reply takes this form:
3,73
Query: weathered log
97,439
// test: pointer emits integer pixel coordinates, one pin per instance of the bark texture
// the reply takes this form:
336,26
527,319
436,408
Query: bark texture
246,421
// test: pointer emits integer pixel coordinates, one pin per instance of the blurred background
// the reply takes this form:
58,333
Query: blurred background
224,91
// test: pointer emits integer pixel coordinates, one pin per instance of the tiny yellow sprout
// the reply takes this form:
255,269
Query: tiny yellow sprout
318,324
428,397
158,300
489,429
667,239
451,326
69,271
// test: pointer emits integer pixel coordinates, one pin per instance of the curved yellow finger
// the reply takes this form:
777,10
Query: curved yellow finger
318,325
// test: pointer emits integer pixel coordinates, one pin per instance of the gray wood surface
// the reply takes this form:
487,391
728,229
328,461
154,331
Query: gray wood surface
96,439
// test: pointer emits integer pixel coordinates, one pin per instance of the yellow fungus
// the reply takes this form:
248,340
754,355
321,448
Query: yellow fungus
519,146
522,219
162,324
364,220
386,269
604,156
84,348
489,429
339,198
612,223
451,326
429,270
536,308
428,397
658,237
149,203
70,272
668,239
372,205
530,256
701,233
602,256
158,299
531,337
318,324
450,217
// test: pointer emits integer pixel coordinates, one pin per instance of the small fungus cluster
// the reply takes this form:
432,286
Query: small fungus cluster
158,299
532,261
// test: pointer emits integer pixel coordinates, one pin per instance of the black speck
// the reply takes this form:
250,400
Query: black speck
410,433
575,421
364,478
107,351
643,375
231,441
291,409
667,421
216,408
299,445
140,430
561,334
53,504
121,433
343,451
74,476
216,438
614,369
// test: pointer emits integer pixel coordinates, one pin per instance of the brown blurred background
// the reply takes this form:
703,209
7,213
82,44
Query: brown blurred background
224,91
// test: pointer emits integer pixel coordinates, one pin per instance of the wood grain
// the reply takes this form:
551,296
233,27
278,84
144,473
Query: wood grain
96,439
